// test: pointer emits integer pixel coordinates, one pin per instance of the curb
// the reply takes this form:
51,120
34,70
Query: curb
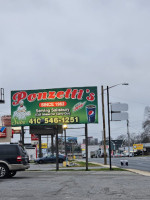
144,173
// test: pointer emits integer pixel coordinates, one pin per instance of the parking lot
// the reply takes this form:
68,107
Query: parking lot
76,185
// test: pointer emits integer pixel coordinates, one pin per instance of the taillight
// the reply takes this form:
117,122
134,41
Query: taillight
19,158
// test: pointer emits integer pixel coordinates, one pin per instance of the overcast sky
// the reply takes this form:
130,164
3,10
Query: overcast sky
68,43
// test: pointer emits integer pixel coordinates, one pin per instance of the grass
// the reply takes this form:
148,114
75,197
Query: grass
83,164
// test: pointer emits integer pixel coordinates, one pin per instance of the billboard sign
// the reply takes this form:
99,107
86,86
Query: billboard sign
137,146
76,105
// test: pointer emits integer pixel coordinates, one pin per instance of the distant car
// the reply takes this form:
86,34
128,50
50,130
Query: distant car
84,155
138,153
128,155
50,159
117,155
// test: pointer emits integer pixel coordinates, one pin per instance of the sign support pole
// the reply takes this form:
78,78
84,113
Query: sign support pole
65,143
52,144
22,135
57,161
86,142
40,150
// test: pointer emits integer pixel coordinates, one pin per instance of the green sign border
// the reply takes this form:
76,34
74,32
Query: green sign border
76,105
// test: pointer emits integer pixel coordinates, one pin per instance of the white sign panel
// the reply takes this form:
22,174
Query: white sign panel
118,107
119,116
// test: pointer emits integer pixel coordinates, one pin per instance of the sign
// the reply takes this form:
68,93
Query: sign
117,111
16,130
43,146
3,133
118,107
83,147
34,137
45,130
76,105
137,146
119,116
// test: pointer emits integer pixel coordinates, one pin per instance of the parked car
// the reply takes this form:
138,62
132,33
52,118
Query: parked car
128,154
13,158
50,159
84,155
117,155
138,153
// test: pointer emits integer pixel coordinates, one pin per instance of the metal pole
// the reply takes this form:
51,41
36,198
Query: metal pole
22,135
52,144
128,137
47,143
109,128
104,132
40,150
65,143
57,161
86,142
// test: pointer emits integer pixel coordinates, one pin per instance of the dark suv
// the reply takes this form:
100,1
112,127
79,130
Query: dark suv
13,158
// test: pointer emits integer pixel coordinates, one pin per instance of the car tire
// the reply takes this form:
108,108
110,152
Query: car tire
11,174
40,162
3,171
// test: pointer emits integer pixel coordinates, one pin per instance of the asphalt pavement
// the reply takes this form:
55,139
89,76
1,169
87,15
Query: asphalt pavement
75,185
136,163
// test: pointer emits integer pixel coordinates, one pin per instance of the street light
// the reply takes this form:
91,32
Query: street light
109,119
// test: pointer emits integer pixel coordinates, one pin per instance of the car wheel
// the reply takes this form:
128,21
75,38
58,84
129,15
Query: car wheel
11,174
3,171
40,162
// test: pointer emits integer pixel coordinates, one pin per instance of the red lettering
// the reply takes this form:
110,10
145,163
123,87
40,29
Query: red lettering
42,95
60,94
18,96
67,94
80,94
74,93
52,95
32,97
91,97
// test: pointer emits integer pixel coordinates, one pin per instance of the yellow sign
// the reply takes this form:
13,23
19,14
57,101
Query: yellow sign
138,146
43,146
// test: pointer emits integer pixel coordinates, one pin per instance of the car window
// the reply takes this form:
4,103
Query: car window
23,151
8,150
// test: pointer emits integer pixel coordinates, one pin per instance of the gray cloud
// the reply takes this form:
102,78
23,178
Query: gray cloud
49,44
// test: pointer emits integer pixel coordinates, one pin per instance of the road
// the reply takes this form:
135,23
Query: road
83,185
140,163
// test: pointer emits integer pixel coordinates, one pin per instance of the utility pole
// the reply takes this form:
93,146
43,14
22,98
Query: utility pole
109,128
128,136
104,130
